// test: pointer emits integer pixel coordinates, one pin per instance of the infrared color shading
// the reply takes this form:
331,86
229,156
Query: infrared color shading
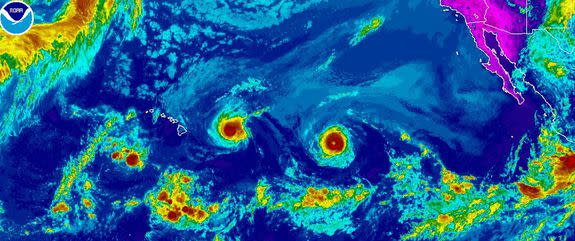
289,120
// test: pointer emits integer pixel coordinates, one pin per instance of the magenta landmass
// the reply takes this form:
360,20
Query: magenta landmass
502,16
505,22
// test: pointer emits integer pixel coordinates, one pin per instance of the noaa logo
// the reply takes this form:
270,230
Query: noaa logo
16,17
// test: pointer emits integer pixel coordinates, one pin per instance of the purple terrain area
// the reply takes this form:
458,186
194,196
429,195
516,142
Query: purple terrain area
507,29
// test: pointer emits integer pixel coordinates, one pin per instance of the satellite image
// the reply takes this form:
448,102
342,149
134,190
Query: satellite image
270,120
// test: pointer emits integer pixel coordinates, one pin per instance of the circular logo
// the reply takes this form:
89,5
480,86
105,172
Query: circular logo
16,17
